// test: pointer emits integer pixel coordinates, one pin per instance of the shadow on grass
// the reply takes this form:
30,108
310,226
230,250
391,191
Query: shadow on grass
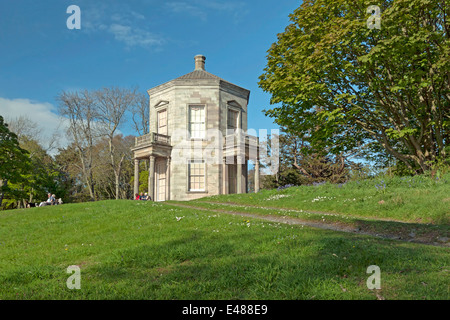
325,266
413,232
434,234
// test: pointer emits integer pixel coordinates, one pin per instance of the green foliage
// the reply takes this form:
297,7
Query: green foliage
14,162
348,85
143,181
292,177
401,170
269,182
13,159
300,164
36,176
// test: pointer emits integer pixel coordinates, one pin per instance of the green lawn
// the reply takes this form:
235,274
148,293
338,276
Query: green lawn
428,233
145,250
418,199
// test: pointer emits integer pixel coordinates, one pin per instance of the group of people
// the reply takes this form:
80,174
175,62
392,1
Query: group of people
142,196
51,201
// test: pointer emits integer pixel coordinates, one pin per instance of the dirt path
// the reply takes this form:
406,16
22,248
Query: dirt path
322,213
335,226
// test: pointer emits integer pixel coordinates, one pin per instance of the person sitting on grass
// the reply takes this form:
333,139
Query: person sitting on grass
144,197
48,202
137,197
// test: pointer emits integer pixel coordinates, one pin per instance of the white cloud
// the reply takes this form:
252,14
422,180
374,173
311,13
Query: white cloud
186,8
134,36
42,113
127,26
201,8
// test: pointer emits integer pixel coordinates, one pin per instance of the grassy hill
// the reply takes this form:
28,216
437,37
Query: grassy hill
145,250
418,199
408,208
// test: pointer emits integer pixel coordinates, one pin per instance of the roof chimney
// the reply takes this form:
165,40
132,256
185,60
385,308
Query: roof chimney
200,62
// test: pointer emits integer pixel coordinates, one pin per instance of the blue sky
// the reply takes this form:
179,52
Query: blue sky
132,43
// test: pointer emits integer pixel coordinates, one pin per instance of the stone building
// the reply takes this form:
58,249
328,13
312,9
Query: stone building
197,143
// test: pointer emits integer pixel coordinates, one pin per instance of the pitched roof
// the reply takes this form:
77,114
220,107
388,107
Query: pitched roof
199,74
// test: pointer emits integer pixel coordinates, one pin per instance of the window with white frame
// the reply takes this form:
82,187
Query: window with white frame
162,122
197,121
196,175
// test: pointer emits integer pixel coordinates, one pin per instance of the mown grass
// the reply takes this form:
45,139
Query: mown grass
418,232
418,199
145,250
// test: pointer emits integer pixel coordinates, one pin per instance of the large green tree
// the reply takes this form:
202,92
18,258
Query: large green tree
14,161
39,173
332,75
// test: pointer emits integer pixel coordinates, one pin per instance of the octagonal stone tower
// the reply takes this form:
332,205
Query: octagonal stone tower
191,113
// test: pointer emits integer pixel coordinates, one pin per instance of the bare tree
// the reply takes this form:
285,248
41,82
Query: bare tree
99,114
81,110
112,105
27,129
140,114
23,126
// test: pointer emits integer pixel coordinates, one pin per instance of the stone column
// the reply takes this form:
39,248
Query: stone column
257,175
151,178
168,179
136,177
246,176
239,174
224,177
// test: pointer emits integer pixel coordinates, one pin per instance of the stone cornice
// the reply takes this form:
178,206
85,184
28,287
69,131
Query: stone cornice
219,83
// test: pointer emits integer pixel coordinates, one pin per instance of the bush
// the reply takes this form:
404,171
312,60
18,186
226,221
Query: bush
285,187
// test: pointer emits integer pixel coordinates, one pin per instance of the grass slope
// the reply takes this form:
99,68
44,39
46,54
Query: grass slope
435,234
144,250
417,199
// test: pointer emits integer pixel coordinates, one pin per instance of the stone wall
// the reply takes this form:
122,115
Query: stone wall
176,96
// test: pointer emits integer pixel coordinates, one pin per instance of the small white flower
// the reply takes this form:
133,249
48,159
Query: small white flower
277,196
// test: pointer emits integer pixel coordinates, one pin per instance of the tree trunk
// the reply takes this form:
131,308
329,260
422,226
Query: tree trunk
117,176
117,186
2,183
